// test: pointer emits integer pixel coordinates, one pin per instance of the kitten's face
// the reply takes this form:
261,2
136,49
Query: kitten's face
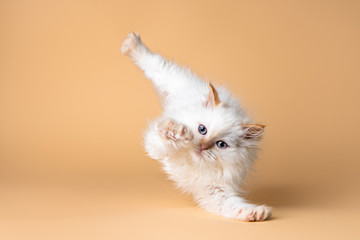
212,143
220,133
217,135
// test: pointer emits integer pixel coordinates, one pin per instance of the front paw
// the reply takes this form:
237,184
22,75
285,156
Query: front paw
171,130
259,213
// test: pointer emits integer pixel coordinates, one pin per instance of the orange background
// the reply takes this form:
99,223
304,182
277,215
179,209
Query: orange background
73,109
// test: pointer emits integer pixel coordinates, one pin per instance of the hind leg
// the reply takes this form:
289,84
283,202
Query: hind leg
167,77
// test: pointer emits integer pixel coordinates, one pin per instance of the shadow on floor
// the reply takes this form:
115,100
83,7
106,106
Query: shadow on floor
286,196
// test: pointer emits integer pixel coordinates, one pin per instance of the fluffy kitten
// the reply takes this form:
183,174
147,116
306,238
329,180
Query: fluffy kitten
205,141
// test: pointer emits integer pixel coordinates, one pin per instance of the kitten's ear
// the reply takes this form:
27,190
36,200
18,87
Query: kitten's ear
253,131
213,98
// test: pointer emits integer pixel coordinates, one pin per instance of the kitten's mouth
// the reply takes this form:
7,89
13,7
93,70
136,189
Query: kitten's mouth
200,152
204,154
201,149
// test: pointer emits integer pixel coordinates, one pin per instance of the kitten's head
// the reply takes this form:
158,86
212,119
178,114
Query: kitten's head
222,132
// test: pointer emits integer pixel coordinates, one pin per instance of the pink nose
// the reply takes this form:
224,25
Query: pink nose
203,147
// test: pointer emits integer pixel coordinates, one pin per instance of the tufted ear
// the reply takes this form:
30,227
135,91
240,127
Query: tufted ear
253,131
213,97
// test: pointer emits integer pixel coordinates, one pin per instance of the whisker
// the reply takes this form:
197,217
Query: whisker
212,155
208,155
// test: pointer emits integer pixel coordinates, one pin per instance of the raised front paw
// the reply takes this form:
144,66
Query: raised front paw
174,131
259,213
131,44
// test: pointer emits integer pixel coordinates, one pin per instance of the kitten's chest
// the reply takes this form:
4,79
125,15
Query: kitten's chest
185,172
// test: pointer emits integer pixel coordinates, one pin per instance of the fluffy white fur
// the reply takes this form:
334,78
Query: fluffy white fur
213,175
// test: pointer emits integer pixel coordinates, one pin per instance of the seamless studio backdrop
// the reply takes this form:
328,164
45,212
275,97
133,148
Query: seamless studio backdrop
73,109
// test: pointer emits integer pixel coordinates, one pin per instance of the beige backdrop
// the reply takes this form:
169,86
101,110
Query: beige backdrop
73,109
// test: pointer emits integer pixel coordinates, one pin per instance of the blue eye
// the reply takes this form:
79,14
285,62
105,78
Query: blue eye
202,129
221,144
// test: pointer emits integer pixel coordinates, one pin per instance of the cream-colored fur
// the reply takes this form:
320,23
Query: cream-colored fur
209,161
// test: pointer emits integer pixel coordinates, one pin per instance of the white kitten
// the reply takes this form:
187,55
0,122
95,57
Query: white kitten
204,139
